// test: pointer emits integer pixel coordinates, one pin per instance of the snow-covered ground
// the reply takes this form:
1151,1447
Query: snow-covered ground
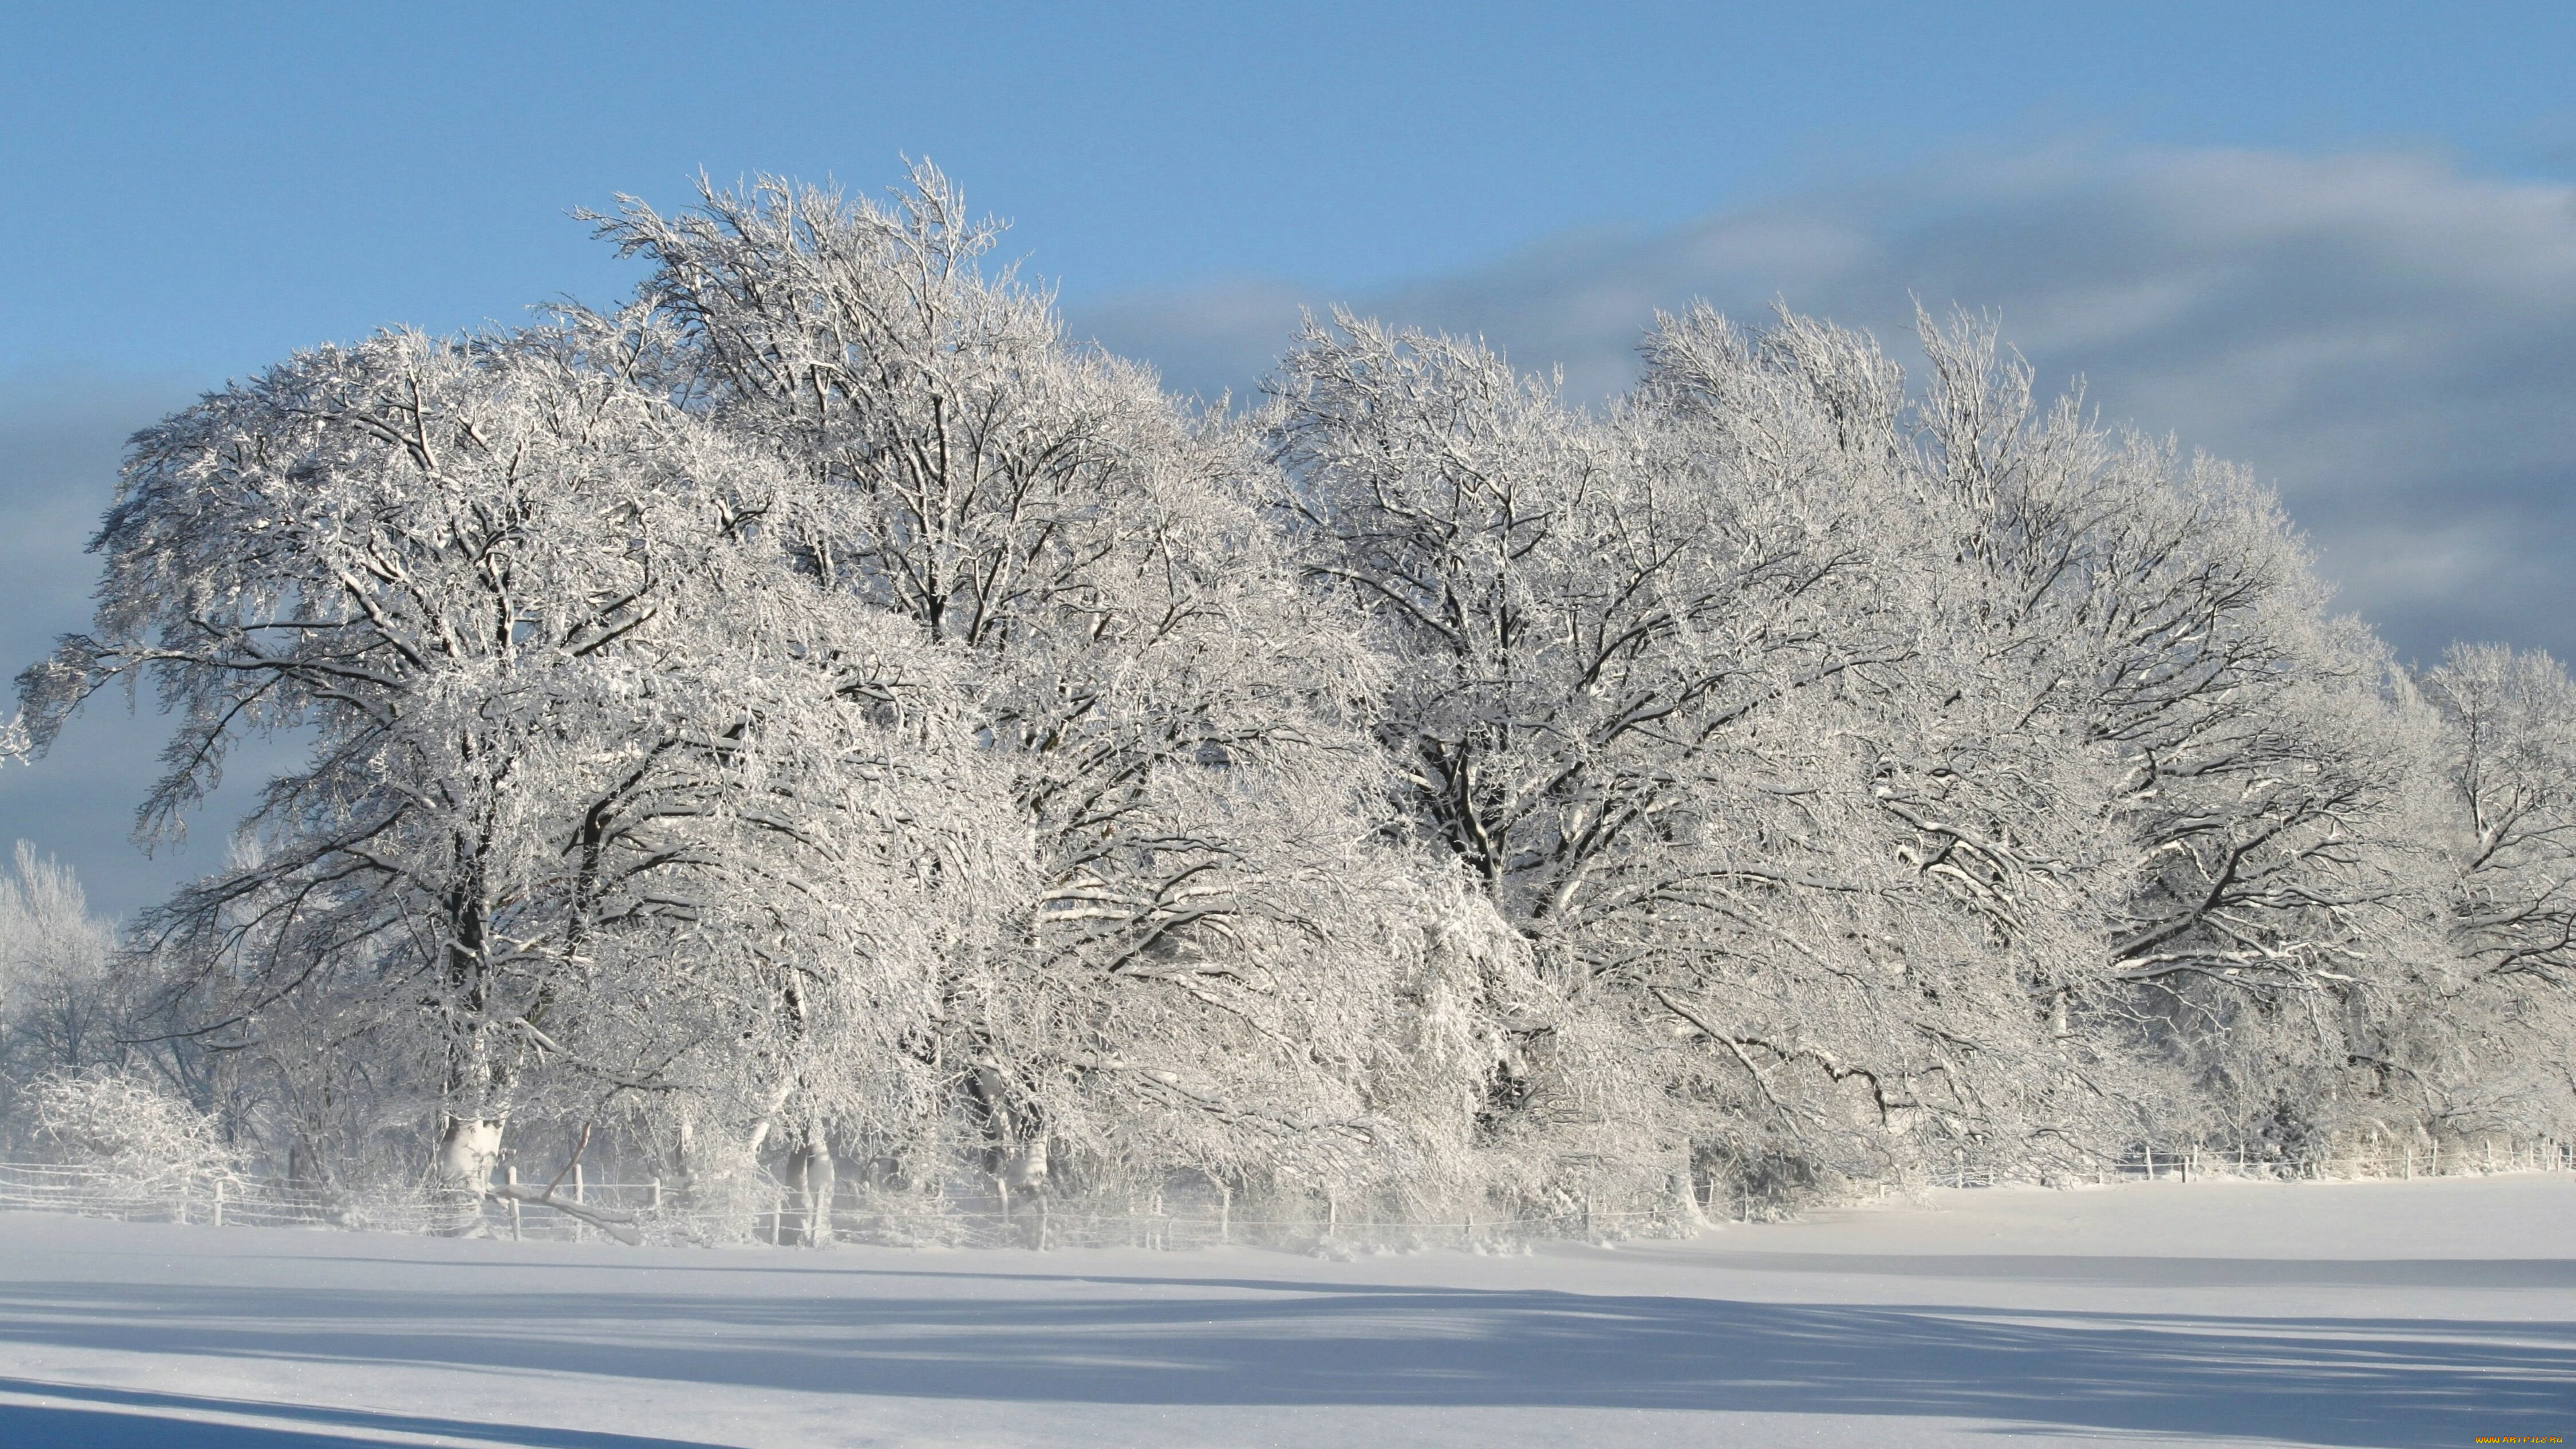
2346,1314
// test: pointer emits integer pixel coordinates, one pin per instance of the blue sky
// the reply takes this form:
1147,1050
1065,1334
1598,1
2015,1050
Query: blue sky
197,189
2337,242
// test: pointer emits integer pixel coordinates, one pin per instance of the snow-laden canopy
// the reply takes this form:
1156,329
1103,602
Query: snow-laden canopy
821,715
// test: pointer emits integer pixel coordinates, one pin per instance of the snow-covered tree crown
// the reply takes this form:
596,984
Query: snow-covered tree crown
820,710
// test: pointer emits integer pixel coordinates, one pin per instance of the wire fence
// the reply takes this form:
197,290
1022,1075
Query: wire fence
766,1210
212,1200
769,1211
2388,1160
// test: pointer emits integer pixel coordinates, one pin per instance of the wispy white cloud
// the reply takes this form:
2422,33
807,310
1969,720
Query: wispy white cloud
2390,341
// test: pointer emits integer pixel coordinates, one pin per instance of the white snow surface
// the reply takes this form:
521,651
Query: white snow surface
2429,1312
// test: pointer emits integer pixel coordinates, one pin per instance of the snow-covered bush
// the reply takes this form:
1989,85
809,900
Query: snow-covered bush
143,1137
60,1005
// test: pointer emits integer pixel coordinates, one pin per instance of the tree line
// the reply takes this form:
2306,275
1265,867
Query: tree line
820,717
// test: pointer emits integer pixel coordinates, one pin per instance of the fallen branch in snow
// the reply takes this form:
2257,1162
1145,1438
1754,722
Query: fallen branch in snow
621,1226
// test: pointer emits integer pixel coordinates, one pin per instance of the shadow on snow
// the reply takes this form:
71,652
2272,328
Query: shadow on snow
131,1419
2341,1381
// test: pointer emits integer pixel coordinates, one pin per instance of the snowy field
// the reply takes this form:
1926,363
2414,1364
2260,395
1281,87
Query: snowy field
2344,1314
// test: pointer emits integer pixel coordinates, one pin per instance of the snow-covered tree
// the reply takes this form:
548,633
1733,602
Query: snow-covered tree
60,1006
2159,615
822,714
1960,860
591,786
1199,975
53,967
2494,1052
1682,688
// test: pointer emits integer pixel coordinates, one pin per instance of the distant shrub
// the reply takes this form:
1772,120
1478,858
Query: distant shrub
128,1126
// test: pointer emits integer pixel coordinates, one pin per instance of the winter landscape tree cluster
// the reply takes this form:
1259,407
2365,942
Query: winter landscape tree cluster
820,720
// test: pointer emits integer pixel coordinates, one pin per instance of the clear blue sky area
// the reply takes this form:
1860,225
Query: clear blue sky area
195,190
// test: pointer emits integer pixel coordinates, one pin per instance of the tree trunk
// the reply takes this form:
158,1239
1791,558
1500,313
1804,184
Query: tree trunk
306,1182
1025,1166
681,1170
811,1172
461,1169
